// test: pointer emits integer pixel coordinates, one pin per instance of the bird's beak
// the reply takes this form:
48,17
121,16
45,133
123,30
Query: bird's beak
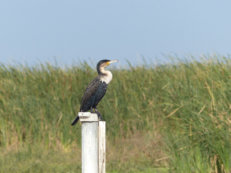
113,61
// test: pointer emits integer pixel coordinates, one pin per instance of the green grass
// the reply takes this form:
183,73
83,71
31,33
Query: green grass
167,118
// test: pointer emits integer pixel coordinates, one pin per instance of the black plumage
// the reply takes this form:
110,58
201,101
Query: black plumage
93,94
96,89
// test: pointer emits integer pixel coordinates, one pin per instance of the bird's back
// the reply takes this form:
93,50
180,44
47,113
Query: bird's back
93,94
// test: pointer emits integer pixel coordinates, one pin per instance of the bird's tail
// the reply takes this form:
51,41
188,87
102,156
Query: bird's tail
75,121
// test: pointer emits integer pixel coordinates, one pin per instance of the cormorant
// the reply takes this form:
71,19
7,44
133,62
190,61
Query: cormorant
96,89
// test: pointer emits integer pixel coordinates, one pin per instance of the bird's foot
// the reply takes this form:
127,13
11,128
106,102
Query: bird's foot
99,115
92,110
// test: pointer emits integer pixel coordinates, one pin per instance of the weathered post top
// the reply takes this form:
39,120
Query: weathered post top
88,117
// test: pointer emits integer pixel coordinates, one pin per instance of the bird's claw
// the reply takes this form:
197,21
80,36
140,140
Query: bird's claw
92,110
99,115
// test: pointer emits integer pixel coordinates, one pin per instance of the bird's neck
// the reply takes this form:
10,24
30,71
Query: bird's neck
105,75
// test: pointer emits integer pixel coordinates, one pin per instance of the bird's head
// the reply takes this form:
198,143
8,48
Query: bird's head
104,63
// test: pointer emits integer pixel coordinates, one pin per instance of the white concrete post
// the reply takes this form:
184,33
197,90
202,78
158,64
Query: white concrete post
102,147
93,143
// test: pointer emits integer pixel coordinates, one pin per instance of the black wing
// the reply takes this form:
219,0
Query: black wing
102,88
89,95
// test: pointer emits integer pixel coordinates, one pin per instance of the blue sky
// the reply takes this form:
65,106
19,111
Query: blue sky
35,31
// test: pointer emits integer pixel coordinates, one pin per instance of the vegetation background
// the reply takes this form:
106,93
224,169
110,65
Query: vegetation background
165,118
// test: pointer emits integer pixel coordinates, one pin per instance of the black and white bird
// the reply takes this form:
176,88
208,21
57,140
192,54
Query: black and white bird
96,89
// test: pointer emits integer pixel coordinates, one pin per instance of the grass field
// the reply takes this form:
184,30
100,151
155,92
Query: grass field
166,118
